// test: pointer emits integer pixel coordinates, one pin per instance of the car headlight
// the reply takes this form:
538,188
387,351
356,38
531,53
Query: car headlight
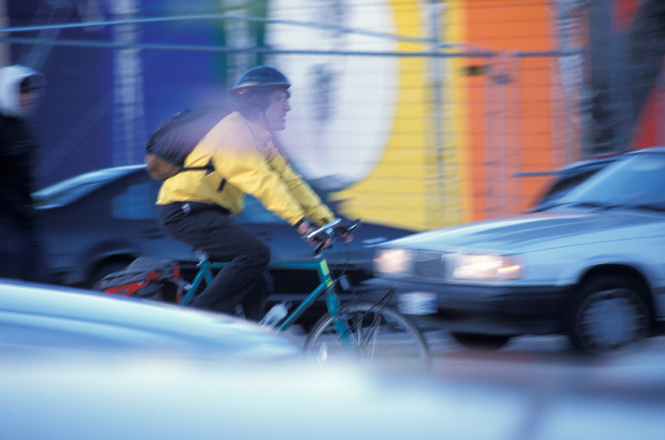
486,267
392,262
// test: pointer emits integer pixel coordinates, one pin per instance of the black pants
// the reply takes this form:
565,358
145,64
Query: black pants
21,253
245,279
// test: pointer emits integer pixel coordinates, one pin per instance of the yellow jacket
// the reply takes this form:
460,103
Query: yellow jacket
246,162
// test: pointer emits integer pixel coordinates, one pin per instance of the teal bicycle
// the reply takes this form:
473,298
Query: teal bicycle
373,331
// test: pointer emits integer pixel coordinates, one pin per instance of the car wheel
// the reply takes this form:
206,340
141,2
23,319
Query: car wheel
101,271
609,316
485,342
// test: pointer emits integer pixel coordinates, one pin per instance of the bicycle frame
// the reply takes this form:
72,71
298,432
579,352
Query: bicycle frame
351,335
326,286
356,335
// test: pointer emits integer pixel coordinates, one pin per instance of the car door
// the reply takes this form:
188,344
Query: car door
284,242
132,208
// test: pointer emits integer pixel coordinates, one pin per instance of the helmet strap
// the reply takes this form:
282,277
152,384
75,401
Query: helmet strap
266,124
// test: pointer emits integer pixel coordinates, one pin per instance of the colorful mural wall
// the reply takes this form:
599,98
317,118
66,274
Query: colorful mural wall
419,114
405,187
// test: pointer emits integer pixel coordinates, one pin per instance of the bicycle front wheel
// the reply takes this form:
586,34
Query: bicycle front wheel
373,332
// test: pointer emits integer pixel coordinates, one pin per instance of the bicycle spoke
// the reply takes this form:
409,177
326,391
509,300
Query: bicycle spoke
371,332
372,336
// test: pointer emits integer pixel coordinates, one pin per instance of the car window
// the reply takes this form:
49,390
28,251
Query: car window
565,184
562,186
137,202
639,179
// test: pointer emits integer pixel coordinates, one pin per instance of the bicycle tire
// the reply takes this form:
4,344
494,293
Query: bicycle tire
377,333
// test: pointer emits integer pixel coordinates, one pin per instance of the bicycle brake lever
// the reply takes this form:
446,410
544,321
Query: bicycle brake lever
319,248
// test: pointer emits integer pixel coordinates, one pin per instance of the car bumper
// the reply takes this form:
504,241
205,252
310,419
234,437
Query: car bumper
508,311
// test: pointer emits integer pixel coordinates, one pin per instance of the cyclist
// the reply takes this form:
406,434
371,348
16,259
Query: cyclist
198,207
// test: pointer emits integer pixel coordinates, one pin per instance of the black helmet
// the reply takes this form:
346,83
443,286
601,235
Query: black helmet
261,76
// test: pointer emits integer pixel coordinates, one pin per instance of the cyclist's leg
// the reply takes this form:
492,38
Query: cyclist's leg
242,277
254,303
223,239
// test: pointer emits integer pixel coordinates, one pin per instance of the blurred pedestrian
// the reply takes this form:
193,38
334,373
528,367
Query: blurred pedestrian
21,254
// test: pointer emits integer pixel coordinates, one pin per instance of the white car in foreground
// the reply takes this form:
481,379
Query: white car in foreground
591,266
38,318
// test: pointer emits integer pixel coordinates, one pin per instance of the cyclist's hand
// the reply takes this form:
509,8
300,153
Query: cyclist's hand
346,235
305,227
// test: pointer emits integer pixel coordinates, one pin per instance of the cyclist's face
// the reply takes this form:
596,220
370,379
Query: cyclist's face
278,106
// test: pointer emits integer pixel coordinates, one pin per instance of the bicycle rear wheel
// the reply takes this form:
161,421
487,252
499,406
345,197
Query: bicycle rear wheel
373,332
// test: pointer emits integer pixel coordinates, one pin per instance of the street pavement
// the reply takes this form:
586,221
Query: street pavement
537,388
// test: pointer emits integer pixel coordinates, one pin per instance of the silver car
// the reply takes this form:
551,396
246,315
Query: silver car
38,319
592,266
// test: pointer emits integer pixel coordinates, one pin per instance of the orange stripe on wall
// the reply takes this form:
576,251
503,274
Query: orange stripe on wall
511,26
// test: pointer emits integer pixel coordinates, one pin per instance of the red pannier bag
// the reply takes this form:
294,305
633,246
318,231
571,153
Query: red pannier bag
146,277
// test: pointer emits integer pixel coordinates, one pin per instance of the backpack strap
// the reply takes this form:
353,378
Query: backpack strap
210,167
207,167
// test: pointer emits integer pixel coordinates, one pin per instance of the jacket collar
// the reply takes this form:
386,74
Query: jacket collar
260,133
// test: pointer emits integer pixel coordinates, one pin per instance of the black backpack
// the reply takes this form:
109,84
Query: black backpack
176,136
148,278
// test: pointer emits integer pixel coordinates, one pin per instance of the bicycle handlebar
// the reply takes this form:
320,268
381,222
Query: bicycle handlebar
333,231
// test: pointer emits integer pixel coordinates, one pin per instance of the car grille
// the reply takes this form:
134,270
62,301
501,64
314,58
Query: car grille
429,265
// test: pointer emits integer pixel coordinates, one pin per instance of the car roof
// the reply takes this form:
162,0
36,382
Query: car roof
572,175
659,149
603,159
589,163
75,187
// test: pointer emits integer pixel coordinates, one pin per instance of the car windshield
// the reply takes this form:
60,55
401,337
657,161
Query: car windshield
64,192
638,181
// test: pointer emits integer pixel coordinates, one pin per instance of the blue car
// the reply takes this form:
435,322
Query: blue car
99,222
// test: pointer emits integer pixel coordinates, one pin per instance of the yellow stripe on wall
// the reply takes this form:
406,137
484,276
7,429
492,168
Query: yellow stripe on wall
419,185
416,184
394,192
455,32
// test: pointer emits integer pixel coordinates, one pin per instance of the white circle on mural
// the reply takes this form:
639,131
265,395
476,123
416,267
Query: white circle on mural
343,106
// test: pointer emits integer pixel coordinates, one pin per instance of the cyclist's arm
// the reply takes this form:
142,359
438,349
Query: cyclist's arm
239,159
310,202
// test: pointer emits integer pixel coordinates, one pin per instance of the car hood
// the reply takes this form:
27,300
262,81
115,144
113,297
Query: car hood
537,231
117,323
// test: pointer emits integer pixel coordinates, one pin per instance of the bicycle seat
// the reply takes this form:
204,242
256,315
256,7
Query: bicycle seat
202,255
